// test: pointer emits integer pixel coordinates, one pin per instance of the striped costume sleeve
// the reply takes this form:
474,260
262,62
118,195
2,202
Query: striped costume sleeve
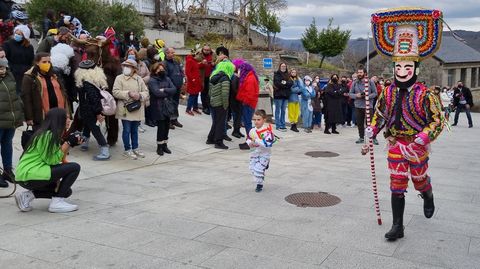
435,118
378,119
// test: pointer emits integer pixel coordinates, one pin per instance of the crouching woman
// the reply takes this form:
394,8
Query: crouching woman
40,169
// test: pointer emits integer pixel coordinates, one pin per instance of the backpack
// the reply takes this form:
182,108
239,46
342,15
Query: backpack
109,104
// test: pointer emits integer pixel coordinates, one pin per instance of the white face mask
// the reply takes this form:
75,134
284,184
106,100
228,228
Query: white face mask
127,71
307,82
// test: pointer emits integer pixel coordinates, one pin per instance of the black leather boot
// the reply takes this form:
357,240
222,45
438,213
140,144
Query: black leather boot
294,127
398,206
166,149
428,205
160,149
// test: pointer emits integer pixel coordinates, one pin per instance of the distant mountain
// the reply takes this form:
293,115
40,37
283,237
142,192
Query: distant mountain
472,39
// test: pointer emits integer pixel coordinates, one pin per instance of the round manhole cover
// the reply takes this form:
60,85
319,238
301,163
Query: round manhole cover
325,154
312,199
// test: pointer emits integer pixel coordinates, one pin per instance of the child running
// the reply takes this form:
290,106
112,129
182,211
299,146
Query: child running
260,139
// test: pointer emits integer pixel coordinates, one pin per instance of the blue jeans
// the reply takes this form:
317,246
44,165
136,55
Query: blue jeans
192,102
130,131
247,115
6,137
280,108
317,118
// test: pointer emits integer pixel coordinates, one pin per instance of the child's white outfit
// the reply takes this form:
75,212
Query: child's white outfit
261,141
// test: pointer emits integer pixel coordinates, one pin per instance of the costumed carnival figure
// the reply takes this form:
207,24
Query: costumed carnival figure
409,112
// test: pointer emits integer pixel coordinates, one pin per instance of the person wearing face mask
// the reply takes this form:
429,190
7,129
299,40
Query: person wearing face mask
333,102
446,102
129,88
282,87
19,53
308,94
142,69
161,91
42,91
11,115
357,93
294,101
463,101
129,41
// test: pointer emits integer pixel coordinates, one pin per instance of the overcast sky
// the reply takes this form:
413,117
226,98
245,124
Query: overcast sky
355,15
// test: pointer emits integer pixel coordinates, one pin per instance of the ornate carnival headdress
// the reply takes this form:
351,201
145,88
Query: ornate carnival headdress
407,34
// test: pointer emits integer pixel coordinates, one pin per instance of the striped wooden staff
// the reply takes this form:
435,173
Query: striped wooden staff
372,156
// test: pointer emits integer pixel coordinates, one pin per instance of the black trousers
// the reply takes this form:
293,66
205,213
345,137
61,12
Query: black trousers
237,115
66,173
91,126
361,120
163,128
176,101
204,96
331,125
217,131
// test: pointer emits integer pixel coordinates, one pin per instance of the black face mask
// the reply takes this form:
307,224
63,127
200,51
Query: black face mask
161,74
335,80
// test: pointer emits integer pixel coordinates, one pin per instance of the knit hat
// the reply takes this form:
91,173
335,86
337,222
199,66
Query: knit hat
24,29
159,44
131,63
3,62
307,77
86,64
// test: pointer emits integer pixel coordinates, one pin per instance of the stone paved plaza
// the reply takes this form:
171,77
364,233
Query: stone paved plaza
197,209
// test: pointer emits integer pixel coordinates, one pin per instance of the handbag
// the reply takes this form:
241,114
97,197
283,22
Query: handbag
133,106
26,136
168,108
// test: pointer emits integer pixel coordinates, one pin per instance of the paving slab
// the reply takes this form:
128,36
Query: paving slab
196,208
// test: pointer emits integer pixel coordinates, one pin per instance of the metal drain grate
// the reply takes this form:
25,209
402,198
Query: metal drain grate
325,154
312,199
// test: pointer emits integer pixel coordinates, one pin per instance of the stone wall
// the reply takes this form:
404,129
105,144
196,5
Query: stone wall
476,100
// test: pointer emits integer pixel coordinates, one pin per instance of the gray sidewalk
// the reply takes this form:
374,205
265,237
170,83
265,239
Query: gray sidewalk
197,208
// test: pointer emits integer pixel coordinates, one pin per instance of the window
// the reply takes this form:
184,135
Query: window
463,75
451,77
474,78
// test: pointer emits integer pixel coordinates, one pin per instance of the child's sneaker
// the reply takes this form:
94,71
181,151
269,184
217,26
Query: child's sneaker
259,188
130,154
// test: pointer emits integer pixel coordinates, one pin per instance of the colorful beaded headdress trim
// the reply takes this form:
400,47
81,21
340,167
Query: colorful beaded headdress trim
427,21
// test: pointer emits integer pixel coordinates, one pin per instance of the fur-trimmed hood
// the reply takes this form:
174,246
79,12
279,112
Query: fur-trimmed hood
96,76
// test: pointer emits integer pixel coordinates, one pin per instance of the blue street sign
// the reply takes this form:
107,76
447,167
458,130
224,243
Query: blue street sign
267,63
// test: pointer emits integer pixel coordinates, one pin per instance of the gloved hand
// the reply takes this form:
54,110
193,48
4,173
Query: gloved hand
422,139
74,139
369,132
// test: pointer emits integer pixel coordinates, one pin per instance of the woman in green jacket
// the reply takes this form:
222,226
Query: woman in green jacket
40,169
11,117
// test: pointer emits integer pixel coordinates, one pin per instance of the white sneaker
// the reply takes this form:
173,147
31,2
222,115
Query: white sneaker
23,200
139,153
141,129
59,205
130,154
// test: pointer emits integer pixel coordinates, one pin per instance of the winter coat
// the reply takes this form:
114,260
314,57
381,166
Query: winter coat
90,102
249,90
235,104
317,102
122,85
46,44
20,59
11,107
333,101
467,94
143,71
174,72
206,69
157,97
295,91
192,71
281,91
219,90
33,94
